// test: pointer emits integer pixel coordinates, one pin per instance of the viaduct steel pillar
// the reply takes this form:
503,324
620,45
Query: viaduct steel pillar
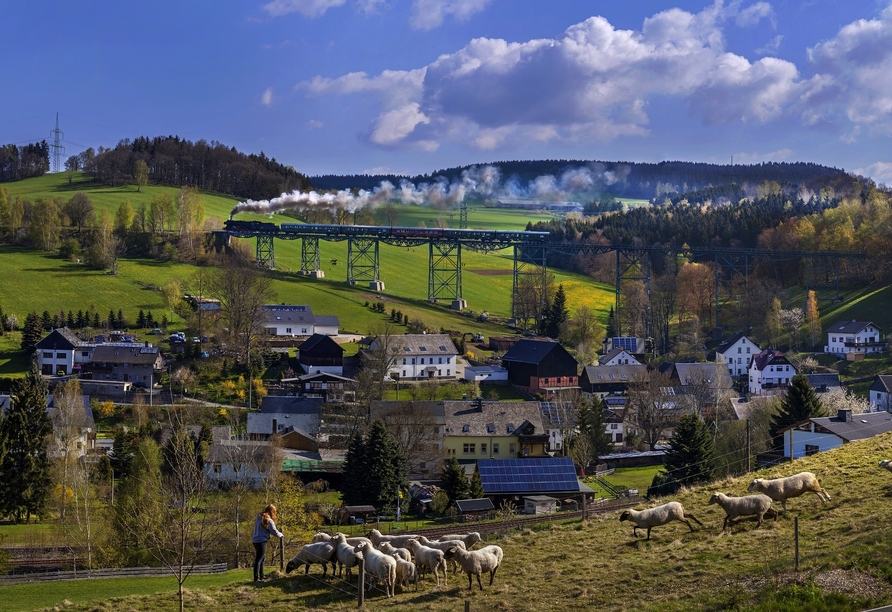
530,281
309,257
362,262
444,273
266,254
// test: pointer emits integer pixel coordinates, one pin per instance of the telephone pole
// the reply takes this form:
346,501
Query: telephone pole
58,149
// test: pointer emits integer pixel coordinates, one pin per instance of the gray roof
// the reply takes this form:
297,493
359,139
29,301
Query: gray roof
530,351
727,344
819,381
425,345
436,408
849,327
694,373
291,405
490,418
613,353
474,505
262,423
614,373
860,427
61,338
236,450
136,354
882,383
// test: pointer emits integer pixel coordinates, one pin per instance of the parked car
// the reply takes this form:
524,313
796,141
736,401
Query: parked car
156,331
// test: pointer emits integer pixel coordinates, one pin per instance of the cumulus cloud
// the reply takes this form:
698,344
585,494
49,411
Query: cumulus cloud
429,14
314,124
881,172
597,82
266,98
772,46
851,83
307,8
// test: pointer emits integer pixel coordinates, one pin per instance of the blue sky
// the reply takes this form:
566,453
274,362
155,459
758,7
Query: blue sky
411,86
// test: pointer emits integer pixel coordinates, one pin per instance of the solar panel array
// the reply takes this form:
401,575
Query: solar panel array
559,413
626,343
527,475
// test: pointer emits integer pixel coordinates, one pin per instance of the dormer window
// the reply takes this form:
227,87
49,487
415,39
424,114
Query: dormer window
490,428
509,428
466,428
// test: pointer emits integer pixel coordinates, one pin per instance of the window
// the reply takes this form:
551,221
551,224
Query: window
441,360
60,355
303,330
448,371
466,428
614,426
404,363
422,361
216,468
509,427
85,353
739,349
747,350
495,449
287,330
469,449
619,437
483,449
490,427
404,372
512,448
811,449
413,361
832,338
47,355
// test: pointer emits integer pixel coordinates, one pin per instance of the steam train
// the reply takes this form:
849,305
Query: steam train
375,231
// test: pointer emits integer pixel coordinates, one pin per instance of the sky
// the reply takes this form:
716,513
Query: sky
412,86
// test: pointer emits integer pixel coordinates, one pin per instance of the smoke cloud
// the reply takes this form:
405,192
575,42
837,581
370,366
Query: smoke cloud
475,182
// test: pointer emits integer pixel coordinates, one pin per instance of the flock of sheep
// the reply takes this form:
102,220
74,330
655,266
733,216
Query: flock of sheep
768,491
399,560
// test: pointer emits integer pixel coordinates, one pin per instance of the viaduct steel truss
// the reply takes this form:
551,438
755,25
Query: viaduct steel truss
732,266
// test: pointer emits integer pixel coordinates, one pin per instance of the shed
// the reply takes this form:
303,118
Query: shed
355,515
540,504
470,510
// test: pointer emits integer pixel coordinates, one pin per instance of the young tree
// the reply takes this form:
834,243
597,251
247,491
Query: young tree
123,218
689,458
800,403
24,432
773,324
354,488
454,480
46,225
385,466
557,315
140,174
650,409
31,333
68,421
475,486
813,319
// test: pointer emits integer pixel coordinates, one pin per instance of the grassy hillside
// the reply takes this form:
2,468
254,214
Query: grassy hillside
845,560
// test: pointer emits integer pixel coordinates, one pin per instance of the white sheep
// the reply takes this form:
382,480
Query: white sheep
475,562
886,464
318,552
399,541
760,505
426,556
654,517
469,539
345,554
379,566
781,489
445,545
406,572
400,553
352,541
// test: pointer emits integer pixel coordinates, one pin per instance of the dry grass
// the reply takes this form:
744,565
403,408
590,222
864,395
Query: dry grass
845,558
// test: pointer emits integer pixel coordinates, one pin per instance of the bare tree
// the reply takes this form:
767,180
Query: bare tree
383,357
79,523
243,290
652,407
416,431
79,210
69,421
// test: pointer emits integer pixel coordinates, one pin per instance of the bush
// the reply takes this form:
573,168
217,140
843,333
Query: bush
71,249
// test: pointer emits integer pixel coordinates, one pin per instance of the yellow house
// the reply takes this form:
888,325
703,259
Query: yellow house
479,429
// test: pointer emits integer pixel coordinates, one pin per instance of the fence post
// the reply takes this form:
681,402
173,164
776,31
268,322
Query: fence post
796,540
467,605
281,554
583,507
361,600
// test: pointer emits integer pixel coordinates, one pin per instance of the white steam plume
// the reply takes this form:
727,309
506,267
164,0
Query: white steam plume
478,181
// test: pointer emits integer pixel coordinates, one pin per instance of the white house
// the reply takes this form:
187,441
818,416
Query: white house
242,463
60,351
735,352
770,373
425,357
292,320
881,393
486,374
853,336
618,356
820,434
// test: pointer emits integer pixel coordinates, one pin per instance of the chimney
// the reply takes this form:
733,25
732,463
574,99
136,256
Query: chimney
275,426
845,415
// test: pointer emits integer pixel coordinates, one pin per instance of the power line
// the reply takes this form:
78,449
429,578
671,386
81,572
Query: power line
57,148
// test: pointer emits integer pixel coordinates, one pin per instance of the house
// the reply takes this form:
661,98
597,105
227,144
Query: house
474,510
425,357
770,373
824,382
618,356
881,393
537,366
134,363
610,380
291,320
502,343
295,420
824,433
422,425
735,352
240,463
481,429
319,353
59,351
539,504
613,424
844,337
706,385
330,388
633,346
490,374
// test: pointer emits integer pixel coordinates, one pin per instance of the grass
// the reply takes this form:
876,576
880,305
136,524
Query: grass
598,565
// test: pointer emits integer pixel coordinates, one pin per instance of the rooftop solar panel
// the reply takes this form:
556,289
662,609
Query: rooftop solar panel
527,475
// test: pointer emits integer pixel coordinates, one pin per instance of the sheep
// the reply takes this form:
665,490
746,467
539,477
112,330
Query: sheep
886,464
781,489
400,553
475,562
378,565
654,517
469,539
399,541
406,572
428,557
345,555
760,505
445,545
352,541
318,552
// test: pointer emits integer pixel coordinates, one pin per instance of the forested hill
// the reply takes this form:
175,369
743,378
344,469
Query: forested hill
168,160
628,179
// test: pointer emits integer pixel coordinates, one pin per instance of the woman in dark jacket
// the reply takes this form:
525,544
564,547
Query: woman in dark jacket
264,527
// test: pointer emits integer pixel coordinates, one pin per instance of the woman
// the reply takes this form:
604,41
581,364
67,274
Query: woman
264,527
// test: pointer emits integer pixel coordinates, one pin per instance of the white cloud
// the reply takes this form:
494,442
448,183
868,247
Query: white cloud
266,98
307,8
881,172
393,126
772,46
429,14
851,84
752,15
314,124
371,6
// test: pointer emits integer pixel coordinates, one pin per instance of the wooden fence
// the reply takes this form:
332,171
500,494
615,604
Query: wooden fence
117,572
